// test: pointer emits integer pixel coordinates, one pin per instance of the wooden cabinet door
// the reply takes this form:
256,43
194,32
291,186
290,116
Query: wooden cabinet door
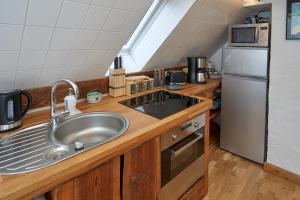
141,176
102,183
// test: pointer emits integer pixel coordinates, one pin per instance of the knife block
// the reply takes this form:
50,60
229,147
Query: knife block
117,83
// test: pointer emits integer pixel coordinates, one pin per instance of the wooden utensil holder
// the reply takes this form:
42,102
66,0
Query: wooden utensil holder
117,83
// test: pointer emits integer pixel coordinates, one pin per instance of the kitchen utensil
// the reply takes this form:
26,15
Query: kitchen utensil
118,62
94,97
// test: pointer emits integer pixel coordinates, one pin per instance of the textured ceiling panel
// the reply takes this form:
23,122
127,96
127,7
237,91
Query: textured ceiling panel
44,40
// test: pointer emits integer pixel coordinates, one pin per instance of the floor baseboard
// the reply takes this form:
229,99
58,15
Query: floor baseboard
282,173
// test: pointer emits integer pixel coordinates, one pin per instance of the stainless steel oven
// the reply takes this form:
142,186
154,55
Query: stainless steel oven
182,158
249,35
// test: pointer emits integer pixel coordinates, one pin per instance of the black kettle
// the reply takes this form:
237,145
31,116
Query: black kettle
11,108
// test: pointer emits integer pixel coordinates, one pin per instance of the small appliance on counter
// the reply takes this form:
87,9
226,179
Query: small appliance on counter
175,79
196,70
11,108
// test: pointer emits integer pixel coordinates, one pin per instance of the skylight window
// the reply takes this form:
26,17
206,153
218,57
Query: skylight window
148,17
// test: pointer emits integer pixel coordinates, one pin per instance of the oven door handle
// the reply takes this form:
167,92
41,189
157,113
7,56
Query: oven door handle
185,147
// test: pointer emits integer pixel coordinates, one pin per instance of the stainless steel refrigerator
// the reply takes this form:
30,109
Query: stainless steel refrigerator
244,101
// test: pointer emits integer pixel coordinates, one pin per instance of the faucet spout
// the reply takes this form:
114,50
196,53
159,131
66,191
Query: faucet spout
56,114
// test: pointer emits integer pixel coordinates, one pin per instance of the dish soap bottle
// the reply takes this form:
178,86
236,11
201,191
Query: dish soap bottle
70,102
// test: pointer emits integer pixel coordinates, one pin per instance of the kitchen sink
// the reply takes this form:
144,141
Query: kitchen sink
90,128
40,146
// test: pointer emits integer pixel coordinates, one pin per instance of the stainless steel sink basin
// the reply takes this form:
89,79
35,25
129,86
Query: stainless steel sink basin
90,128
40,146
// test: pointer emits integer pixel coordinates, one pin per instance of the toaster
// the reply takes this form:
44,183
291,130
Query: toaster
176,77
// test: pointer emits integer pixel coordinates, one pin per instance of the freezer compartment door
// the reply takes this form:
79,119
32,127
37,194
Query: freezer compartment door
246,61
243,117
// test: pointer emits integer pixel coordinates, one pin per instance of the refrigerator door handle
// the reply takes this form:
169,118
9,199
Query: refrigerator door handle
256,36
259,78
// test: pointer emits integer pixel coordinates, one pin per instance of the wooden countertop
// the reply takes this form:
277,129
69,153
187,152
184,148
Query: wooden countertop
141,129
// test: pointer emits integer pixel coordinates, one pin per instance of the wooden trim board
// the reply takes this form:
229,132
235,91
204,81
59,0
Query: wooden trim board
282,173
41,96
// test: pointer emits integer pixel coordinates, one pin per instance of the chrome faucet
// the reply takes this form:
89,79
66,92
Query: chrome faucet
57,114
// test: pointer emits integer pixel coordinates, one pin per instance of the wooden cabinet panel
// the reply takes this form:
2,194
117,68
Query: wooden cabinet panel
64,191
102,183
141,178
197,192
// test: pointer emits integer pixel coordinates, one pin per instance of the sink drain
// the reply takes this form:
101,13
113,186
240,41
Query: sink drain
57,154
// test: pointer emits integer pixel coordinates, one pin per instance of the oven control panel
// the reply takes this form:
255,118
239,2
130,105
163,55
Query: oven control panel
179,133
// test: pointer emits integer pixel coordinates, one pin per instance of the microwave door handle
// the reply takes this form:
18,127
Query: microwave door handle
256,35
185,147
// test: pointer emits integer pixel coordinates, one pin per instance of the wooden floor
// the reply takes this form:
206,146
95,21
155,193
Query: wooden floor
235,178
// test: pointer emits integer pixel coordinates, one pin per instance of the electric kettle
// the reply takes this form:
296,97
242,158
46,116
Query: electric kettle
12,109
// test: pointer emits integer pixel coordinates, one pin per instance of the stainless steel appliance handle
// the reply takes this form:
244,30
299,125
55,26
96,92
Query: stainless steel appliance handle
188,125
29,101
256,35
185,147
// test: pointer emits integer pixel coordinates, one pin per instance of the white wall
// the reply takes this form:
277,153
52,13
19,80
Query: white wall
201,32
216,59
284,95
44,40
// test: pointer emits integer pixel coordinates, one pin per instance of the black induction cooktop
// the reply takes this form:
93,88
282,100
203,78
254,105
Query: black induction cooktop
160,104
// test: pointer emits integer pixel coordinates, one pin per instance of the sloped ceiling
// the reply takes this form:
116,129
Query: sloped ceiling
201,32
44,40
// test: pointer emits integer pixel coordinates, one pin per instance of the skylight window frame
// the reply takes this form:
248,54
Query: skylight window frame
148,18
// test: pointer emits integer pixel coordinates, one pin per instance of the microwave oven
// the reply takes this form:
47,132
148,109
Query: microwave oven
249,35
